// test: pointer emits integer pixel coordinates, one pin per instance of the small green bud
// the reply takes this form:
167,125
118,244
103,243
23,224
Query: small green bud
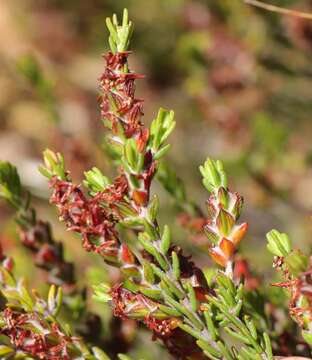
153,208
165,239
54,165
120,35
101,292
161,128
214,175
54,300
176,265
10,184
95,180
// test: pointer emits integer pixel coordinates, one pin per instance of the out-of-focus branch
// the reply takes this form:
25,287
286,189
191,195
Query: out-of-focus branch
279,9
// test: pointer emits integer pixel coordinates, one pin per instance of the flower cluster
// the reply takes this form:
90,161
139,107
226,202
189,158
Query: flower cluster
223,234
87,217
224,208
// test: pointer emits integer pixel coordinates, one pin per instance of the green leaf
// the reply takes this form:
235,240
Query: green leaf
99,354
209,322
193,332
192,296
95,180
278,243
101,292
296,262
307,335
151,293
268,346
175,265
214,175
133,159
162,152
208,348
120,35
153,208
212,236
251,326
54,165
161,127
169,311
124,357
150,248
5,350
10,184
225,222
165,240
131,153
148,272
223,197
210,275
55,300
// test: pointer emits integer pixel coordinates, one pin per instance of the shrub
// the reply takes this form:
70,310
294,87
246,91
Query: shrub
219,312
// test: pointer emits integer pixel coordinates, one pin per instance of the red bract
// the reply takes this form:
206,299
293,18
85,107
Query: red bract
128,305
94,218
87,217
300,288
120,107
120,86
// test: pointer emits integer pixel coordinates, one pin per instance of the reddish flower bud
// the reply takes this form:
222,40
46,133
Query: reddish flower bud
46,254
126,255
140,197
142,140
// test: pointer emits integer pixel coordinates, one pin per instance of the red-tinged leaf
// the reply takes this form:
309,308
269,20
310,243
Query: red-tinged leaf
227,247
211,209
237,206
46,255
140,197
130,271
217,256
223,197
141,141
211,235
239,233
200,293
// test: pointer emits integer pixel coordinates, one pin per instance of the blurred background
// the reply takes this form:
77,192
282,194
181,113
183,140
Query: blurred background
238,78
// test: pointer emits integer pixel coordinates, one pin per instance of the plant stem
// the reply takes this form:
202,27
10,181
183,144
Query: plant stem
279,9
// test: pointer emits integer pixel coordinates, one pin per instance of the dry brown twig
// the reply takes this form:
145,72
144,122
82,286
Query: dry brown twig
278,9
